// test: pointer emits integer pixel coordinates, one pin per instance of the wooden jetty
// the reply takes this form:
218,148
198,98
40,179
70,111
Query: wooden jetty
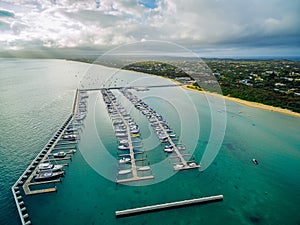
133,211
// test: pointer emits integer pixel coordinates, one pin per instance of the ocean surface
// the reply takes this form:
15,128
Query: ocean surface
37,96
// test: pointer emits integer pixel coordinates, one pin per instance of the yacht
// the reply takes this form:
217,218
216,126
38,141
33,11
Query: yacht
47,175
144,168
124,160
178,167
123,141
192,164
48,166
59,154
123,172
123,147
180,147
169,149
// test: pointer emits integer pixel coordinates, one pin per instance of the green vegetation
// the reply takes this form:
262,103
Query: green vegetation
269,82
273,83
157,68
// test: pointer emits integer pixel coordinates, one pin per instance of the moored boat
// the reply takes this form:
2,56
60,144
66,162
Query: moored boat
59,154
49,166
47,175
144,168
124,160
123,172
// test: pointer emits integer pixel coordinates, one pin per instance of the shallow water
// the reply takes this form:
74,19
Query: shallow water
36,97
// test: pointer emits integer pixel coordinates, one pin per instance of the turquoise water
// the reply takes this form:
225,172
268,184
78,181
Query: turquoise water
36,97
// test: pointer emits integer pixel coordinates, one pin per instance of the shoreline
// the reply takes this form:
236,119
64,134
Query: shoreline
248,103
256,105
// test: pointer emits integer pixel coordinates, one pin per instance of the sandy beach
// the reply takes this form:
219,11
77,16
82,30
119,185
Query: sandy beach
247,103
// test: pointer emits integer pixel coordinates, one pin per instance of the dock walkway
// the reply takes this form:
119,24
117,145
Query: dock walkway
135,176
163,206
139,104
24,180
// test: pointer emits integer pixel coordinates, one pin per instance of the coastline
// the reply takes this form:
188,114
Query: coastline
241,101
247,103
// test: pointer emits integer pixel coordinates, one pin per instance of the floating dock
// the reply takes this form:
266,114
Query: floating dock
24,180
134,172
183,164
128,212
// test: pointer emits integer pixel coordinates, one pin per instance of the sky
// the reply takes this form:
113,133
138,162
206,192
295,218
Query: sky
208,27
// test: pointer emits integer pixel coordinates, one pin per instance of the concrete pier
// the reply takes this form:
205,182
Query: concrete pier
134,172
183,164
163,206
31,170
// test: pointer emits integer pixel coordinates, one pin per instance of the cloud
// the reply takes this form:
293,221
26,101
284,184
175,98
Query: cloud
105,23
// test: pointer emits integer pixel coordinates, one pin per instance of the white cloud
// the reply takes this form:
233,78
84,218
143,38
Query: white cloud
69,23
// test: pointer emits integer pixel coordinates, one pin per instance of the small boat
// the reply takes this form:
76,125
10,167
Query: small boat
255,161
180,147
123,141
123,147
59,154
168,148
144,168
121,135
192,164
123,172
124,160
178,167
72,151
49,166
136,131
47,175
172,135
70,136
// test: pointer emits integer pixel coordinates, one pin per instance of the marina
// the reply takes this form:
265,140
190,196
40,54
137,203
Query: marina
126,130
254,192
45,169
164,132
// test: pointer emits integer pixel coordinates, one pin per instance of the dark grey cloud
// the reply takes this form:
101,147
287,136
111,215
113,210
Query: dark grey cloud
191,23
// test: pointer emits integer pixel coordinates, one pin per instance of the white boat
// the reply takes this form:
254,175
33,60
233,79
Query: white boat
59,154
178,166
123,172
49,166
48,175
123,147
124,160
255,161
70,136
192,164
72,151
121,135
135,131
168,149
180,147
124,141
144,168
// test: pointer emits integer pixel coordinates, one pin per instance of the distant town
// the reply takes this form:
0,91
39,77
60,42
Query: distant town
271,82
